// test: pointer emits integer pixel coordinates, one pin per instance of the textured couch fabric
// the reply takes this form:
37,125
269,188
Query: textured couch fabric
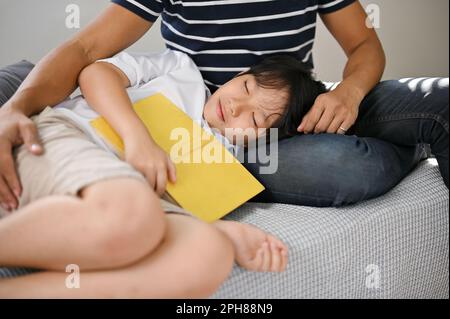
398,242
394,246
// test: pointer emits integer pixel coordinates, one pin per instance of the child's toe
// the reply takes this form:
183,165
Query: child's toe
276,258
277,241
267,260
284,259
257,262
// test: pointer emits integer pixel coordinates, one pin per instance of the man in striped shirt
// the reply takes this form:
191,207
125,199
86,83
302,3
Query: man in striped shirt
225,37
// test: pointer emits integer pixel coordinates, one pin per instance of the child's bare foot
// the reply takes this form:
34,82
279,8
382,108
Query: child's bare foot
254,249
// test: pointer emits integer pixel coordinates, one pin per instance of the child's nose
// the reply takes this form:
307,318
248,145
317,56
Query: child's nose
236,107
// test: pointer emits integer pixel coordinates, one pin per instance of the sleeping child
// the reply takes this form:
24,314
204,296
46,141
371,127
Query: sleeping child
86,206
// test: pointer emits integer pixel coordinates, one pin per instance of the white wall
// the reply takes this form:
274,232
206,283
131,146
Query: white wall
414,34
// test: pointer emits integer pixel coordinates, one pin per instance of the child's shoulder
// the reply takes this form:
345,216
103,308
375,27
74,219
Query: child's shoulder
182,58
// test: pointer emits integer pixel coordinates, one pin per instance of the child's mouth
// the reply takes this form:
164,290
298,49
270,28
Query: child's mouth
219,111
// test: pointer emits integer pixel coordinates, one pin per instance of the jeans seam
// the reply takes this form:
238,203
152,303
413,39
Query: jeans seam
303,194
397,117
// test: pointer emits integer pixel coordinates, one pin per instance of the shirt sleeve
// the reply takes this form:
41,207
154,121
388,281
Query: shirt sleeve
142,68
329,6
147,9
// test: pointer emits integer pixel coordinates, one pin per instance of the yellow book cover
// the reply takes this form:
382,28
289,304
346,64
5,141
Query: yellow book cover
211,182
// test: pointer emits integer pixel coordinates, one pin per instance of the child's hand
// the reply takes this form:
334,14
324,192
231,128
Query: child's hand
149,159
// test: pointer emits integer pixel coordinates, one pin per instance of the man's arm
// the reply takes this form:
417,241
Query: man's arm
55,77
366,59
364,69
52,80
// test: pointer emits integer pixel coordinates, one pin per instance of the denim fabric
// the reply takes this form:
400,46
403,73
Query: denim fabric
397,120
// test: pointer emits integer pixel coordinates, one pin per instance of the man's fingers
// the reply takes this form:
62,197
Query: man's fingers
301,127
9,173
9,183
151,178
335,125
30,137
346,125
324,121
7,199
314,116
161,182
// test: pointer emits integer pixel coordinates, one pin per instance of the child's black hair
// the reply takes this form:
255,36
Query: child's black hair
283,72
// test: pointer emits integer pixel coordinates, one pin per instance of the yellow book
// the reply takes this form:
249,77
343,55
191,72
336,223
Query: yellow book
211,182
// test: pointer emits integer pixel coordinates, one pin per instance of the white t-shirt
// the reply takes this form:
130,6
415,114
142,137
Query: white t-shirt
170,73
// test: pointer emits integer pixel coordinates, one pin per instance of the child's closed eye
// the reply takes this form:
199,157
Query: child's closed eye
246,87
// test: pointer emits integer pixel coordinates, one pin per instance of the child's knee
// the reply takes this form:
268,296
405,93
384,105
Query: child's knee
131,222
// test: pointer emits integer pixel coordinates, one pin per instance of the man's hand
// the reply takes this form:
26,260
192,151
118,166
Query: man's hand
337,110
15,129
333,112
149,159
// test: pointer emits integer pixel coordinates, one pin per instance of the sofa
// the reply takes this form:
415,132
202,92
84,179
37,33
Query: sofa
393,246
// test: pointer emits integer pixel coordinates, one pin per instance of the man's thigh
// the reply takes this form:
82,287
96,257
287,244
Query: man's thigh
398,110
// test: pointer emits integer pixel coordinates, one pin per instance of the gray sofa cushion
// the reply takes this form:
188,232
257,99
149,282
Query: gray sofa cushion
11,77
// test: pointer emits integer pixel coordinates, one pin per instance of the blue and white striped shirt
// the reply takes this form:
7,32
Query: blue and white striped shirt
225,37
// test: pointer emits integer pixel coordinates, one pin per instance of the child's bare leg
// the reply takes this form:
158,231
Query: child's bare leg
114,223
192,261
254,249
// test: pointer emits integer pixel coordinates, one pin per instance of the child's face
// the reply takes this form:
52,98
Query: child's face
242,104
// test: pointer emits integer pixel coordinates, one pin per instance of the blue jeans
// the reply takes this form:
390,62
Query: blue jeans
397,122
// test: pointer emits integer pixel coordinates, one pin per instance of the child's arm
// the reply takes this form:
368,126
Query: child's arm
104,87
